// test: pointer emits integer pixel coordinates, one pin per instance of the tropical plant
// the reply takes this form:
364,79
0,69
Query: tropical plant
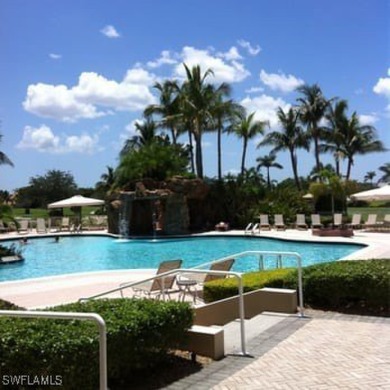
358,139
197,98
385,168
291,137
268,162
246,127
312,109
168,108
369,177
4,159
107,180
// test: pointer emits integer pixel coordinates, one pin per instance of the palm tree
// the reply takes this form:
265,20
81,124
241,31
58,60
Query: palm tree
246,127
168,107
337,119
147,134
369,176
268,162
385,168
358,139
107,180
224,112
291,137
3,157
312,109
197,97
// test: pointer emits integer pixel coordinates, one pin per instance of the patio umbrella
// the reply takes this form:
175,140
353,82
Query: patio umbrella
76,201
308,196
381,193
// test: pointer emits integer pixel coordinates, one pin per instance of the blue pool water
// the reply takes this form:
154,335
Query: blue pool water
44,257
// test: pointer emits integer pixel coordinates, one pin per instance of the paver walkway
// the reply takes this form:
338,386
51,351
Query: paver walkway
326,351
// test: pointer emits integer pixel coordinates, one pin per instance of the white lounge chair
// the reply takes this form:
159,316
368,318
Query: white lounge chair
65,223
23,226
41,226
356,221
278,222
337,220
264,222
316,221
371,220
155,287
301,222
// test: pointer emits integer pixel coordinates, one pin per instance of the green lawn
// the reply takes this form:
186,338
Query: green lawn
364,211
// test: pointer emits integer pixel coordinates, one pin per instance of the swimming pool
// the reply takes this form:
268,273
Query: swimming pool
45,257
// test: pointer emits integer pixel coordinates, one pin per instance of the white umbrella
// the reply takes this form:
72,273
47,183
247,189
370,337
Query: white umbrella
76,201
381,193
308,196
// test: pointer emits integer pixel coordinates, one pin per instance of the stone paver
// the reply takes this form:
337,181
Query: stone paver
326,351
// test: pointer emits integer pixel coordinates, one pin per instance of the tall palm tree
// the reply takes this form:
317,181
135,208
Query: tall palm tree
107,180
385,168
268,162
246,127
291,137
312,109
168,107
197,97
147,134
3,157
358,139
224,113
337,119
369,176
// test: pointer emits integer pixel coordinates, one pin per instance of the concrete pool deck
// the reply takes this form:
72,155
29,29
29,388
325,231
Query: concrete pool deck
321,351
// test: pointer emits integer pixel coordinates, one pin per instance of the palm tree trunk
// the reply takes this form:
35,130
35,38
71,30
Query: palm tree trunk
294,165
173,134
317,154
243,156
349,167
198,149
268,179
191,152
337,163
219,151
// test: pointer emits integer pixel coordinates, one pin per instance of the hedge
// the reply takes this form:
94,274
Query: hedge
354,286
139,335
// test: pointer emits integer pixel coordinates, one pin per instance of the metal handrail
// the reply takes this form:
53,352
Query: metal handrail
73,316
195,271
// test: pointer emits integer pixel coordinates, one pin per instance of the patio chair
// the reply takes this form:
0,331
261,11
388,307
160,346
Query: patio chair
41,226
264,223
186,281
337,220
301,222
371,220
278,222
316,221
23,227
3,228
386,219
65,223
356,222
154,288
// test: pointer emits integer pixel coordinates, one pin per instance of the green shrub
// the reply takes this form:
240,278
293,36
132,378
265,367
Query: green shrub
224,288
139,334
361,286
5,305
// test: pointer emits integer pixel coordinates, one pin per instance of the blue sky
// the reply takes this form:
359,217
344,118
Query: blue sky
76,75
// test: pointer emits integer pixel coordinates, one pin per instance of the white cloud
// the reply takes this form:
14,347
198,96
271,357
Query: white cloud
382,87
231,55
55,56
368,119
164,59
265,108
254,90
224,71
92,92
280,81
44,140
252,50
110,32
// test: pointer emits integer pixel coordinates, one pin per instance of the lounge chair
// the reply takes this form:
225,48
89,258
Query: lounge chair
386,219
301,223
356,222
371,220
278,222
23,227
65,223
3,228
337,220
155,288
316,221
264,223
41,226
